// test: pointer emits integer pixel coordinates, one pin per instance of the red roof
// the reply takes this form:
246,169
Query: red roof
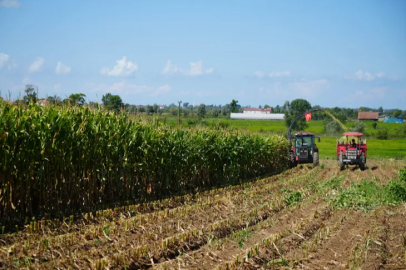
252,109
257,109
355,134
368,115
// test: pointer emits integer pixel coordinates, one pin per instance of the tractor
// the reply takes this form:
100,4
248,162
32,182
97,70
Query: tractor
304,149
352,150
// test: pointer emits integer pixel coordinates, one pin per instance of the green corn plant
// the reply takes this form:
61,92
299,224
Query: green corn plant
65,160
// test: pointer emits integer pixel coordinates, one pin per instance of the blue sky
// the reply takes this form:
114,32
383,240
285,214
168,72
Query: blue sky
332,53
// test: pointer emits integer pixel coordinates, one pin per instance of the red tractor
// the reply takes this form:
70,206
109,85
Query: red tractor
352,150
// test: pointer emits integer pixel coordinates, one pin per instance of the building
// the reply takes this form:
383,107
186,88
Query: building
258,116
42,102
257,110
368,116
163,107
394,120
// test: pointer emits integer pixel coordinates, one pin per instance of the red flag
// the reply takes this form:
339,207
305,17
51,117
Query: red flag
308,116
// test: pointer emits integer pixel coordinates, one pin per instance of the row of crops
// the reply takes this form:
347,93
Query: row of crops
60,161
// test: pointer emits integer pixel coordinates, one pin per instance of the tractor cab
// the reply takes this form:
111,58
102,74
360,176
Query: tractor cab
352,150
304,149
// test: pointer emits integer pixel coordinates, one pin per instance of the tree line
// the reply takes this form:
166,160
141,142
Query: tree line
115,103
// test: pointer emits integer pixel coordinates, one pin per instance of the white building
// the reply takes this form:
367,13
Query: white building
258,116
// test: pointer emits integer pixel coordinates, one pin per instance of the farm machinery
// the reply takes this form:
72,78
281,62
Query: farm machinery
352,150
304,148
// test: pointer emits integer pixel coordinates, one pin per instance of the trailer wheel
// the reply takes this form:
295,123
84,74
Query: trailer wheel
340,161
363,161
315,159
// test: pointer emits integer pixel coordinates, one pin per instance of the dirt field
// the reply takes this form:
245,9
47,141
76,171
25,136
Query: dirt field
291,221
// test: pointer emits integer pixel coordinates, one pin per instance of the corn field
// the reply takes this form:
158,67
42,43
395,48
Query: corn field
57,161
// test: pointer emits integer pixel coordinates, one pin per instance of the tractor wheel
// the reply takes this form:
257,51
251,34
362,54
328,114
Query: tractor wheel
292,159
362,165
315,159
340,162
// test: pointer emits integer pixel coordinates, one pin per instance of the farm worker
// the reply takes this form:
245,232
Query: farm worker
353,144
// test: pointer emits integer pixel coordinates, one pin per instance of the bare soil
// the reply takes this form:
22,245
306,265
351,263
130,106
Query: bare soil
281,222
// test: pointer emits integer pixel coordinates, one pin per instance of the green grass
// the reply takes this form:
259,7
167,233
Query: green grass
369,194
393,148
375,148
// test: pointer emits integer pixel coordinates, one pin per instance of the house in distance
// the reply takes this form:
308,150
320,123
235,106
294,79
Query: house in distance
368,116
257,114
257,110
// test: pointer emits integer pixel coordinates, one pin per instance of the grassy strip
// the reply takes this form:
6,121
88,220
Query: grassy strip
369,194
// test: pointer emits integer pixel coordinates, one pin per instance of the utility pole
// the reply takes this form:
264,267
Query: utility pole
179,112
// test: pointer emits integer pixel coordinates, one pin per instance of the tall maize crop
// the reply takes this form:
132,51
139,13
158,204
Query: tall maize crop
58,161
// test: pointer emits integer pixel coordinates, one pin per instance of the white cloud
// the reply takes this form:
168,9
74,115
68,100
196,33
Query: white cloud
122,68
57,86
195,69
364,76
373,94
171,69
36,65
26,80
259,74
310,88
62,69
3,59
162,89
123,88
272,74
12,64
368,76
9,3
301,89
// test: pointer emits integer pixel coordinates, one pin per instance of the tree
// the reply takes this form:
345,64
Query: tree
215,112
286,106
234,106
201,110
380,110
359,127
397,113
224,110
297,107
374,125
332,127
185,104
112,102
30,94
277,109
156,108
77,99
150,109
54,100
173,111
267,106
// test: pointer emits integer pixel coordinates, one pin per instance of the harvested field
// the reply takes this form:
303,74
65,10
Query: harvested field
304,218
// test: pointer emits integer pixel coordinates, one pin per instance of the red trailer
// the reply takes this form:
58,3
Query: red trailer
352,150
